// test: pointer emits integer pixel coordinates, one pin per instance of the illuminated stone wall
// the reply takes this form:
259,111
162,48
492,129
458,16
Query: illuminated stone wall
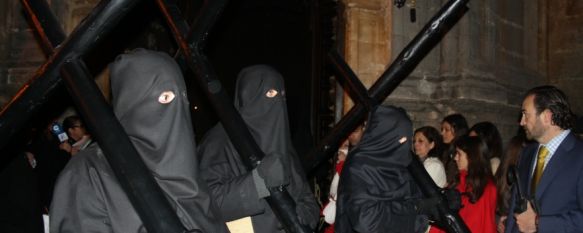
482,67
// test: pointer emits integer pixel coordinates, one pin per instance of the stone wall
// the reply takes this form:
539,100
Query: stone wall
367,55
565,49
482,66
20,53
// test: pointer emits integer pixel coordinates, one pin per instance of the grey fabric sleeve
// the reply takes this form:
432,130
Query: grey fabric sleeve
77,205
260,186
236,196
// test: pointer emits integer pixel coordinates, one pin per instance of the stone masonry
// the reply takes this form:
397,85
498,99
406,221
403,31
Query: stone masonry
482,67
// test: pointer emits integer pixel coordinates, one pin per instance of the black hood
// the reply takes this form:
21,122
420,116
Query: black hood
376,192
376,167
387,138
150,101
265,113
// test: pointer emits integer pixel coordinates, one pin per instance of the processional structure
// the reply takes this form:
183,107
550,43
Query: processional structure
365,100
65,63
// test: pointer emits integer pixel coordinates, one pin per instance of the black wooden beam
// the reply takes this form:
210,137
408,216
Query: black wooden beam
447,218
45,24
403,65
356,89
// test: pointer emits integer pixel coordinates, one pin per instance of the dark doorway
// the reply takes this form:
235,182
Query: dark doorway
276,33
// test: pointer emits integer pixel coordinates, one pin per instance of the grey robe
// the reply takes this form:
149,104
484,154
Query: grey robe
231,184
88,197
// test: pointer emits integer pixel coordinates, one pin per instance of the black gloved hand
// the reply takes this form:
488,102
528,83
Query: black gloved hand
274,170
305,217
454,199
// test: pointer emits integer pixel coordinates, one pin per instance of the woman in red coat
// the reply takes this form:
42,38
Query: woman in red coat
476,184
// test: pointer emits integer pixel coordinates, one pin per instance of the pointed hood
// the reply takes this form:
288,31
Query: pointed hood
377,167
260,99
150,101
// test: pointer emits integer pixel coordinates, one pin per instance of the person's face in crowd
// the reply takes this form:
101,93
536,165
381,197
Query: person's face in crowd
461,159
447,132
421,145
531,121
473,134
76,132
355,136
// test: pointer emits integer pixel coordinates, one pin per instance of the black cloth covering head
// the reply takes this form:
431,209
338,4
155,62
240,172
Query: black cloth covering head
260,99
376,191
150,101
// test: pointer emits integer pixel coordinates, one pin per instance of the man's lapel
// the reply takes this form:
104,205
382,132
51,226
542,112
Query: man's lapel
526,164
560,159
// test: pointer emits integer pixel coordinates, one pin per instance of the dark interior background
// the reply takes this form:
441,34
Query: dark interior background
275,33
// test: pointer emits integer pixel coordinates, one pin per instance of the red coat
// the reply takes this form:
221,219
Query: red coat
339,166
479,216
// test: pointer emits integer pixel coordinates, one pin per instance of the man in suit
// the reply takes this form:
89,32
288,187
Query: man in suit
551,169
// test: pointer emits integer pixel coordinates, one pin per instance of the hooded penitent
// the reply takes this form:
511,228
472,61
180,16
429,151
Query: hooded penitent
260,99
149,99
376,191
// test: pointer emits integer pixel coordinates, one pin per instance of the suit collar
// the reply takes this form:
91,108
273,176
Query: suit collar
560,159
528,158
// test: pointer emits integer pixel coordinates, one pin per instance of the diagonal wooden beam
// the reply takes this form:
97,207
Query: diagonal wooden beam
403,65
356,89
45,24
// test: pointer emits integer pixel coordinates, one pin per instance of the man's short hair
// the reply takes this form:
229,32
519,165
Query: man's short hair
70,122
553,99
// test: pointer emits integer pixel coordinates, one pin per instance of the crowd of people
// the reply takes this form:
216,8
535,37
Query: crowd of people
461,158
212,189
474,161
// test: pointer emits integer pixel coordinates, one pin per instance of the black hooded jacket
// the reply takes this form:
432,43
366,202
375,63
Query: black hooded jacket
231,184
149,99
376,192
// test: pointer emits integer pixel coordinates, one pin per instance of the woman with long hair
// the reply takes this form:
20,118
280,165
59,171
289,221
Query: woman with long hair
453,126
489,133
476,184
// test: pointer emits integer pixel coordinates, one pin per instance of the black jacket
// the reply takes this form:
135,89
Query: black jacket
231,184
376,193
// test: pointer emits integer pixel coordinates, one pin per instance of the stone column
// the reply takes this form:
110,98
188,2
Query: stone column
565,49
367,41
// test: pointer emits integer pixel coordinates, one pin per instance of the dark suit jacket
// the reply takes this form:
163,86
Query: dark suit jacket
560,190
